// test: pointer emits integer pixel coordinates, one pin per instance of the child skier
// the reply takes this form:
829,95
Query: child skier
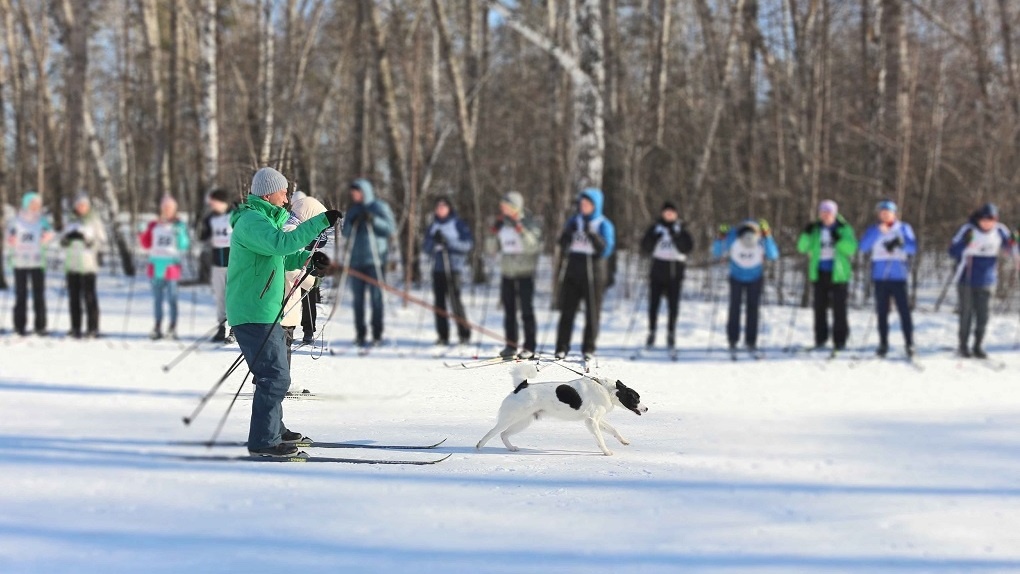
829,242
748,246
448,240
216,232
519,239
83,240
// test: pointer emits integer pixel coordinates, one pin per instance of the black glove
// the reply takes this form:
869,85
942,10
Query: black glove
439,239
598,242
566,238
319,264
835,234
74,236
811,227
893,243
498,225
333,215
967,237
365,218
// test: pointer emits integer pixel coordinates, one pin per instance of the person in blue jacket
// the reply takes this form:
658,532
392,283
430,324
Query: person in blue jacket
747,246
891,243
587,240
976,247
448,240
370,221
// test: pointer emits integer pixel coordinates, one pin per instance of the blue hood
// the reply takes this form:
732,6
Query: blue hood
366,189
594,195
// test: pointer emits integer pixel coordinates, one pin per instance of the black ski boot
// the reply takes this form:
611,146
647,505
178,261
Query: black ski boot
883,350
650,340
508,353
281,450
221,335
156,333
289,436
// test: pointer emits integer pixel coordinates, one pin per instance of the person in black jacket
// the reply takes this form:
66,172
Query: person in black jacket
668,242
216,230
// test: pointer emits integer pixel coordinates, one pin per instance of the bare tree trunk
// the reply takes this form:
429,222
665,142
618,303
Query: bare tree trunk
150,29
266,78
208,121
931,170
4,14
388,101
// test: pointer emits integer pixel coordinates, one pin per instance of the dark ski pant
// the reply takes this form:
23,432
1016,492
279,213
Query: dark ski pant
666,280
21,279
973,313
738,291
81,288
518,293
358,288
309,310
835,294
582,281
448,287
271,375
886,291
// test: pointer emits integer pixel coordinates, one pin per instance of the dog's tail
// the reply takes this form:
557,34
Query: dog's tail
523,372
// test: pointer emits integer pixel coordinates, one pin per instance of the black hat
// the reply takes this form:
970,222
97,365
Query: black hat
987,211
669,205
219,194
444,199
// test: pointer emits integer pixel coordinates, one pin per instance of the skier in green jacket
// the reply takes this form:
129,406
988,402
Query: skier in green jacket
829,243
260,253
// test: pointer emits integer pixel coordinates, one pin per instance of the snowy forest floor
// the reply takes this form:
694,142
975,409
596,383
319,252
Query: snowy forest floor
789,464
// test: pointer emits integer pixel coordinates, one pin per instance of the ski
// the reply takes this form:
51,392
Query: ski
478,363
674,355
992,364
309,443
304,457
733,355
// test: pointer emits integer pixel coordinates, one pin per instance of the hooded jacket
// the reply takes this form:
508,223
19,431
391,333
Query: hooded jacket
810,243
592,235
260,253
459,242
382,226
977,252
28,236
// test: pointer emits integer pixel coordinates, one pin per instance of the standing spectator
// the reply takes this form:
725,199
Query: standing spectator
303,208
829,242
747,246
368,226
668,243
976,248
448,239
216,230
83,240
891,243
519,239
588,240
27,240
167,241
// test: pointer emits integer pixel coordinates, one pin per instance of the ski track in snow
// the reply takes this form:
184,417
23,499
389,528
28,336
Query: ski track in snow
789,464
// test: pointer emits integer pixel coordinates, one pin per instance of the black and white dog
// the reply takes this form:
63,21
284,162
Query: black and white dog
588,399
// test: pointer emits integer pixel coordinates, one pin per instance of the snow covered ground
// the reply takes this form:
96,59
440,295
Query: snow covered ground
791,464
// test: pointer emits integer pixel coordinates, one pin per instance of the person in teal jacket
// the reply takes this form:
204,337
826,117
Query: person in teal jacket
829,242
260,253
368,226
167,241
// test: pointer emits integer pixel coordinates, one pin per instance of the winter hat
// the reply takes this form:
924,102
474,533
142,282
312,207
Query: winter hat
886,205
267,181
82,197
828,206
669,205
298,195
987,211
443,199
28,198
305,207
366,189
514,199
219,194
168,201
749,226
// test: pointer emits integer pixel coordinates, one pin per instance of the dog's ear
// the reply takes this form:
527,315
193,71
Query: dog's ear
620,386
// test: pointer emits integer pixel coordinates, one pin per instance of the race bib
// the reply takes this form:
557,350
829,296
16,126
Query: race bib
828,246
164,241
219,226
985,244
665,249
28,245
510,242
747,257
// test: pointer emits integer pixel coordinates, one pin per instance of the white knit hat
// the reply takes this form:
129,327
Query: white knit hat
267,181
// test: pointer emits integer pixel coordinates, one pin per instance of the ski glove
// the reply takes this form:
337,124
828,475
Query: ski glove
811,227
439,239
835,234
566,238
893,243
333,215
320,263
724,230
597,241
766,230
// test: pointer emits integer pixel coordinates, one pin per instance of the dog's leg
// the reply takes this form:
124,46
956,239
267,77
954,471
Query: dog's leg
616,433
514,429
593,425
495,430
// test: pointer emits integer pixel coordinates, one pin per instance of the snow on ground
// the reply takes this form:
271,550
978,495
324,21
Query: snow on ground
791,464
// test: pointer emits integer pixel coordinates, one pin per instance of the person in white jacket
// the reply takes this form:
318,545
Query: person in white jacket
302,208
83,240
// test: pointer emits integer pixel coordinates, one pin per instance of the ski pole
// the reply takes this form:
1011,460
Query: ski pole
208,395
561,274
340,286
485,304
793,318
377,262
950,281
715,307
638,299
421,309
192,347
223,419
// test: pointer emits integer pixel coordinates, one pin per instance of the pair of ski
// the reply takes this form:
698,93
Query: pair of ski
671,352
305,457
911,361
